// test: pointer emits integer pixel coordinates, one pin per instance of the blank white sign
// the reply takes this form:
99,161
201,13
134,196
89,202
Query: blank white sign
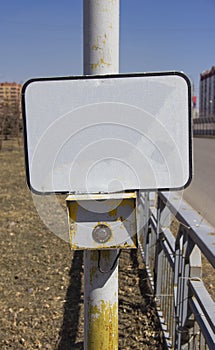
94,134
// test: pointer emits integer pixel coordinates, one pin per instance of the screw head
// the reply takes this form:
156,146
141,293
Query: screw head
101,233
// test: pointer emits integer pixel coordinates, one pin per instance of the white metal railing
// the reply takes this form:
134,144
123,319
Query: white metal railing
171,242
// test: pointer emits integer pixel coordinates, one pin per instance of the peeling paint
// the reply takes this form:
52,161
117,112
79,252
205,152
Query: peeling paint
102,196
103,326
96,47
101,62
72,232
120,217
211,233
73,210
113,212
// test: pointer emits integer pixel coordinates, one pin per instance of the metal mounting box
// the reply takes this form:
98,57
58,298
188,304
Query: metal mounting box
102,221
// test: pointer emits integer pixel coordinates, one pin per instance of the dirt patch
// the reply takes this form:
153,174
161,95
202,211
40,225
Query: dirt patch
41,281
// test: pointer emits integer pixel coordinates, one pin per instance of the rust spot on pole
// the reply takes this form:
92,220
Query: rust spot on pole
101,62
103,325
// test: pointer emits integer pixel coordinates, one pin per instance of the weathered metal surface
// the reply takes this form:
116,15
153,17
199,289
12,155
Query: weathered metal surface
117,212
103,322
101,36
200,230
101,55
201,328
185,308
200,293
101,300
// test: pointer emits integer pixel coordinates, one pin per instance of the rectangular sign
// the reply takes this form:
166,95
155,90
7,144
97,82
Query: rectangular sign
109,133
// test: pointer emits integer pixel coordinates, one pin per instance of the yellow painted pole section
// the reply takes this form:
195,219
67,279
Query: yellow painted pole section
103,325
101,300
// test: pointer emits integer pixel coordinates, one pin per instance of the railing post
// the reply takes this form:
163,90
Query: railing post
143,222
101,56
158,253
187,266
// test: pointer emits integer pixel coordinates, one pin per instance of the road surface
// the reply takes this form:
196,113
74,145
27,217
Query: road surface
201,193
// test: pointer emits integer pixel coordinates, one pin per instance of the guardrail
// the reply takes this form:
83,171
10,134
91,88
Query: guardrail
204,126
172,240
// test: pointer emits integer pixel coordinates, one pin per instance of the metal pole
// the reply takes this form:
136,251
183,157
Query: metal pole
101,56
101,36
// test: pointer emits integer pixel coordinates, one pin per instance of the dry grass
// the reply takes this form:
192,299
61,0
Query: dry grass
41,281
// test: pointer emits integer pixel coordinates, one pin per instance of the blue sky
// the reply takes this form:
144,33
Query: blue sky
44,37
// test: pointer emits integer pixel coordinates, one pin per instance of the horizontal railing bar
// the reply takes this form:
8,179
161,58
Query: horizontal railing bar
205,301
200,231
197,232
203,324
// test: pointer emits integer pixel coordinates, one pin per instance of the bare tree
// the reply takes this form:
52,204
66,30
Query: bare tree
10,121
2,122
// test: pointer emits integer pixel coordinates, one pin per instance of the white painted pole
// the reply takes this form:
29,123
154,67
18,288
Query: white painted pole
101,36
101,56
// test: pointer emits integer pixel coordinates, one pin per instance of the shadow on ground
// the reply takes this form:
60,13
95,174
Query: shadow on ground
147,296
70,326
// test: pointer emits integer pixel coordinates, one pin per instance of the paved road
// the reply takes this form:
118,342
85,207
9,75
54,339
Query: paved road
201,193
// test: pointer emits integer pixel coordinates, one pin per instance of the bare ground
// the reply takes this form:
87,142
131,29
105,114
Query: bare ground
41,280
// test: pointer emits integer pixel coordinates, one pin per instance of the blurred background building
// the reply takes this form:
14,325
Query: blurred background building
10,111
204,125
207,93
10,96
